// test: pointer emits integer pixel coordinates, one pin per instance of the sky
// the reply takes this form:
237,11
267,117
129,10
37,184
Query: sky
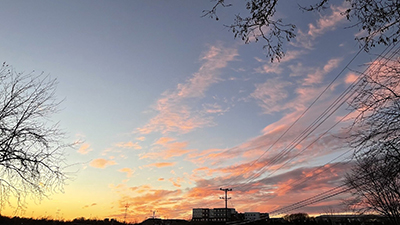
169,107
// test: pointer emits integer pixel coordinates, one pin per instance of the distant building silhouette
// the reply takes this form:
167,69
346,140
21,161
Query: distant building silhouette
218,215
352,219
158,221
254,216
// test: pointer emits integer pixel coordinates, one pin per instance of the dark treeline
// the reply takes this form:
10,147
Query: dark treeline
44,221
274,221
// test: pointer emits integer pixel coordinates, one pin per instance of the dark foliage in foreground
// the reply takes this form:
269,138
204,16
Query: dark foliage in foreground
44,221
366,220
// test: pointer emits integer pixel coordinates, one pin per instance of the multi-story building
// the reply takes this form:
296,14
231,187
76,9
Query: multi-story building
216,214
251,216
201,214
222,214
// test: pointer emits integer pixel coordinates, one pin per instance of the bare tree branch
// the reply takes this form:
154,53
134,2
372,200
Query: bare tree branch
378,19
375,137
31,145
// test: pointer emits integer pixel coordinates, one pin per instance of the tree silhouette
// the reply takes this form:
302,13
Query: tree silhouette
376,129
378,19
298,218
375,136
31,147
376,186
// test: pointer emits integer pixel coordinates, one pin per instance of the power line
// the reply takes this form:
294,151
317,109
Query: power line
340,189
333,107
322,196
301,115
338,103
349,92
317,198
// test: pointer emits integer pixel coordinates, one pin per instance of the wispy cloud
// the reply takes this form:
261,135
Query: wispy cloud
87,206
174,111
141,138
84,149
274,192
101,163
271,94
276,95
164,140
269,68
129,172
350,78
161,164
214,109
319,74
169,149
200,157
143,199
176,181
323,24
277,67
129,145
327,23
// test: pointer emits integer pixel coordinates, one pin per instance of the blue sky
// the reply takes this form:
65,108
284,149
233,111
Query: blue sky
171,107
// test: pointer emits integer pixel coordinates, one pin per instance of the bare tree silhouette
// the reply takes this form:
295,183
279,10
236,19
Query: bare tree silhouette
376,129
376,187
31,144
375,136
379,19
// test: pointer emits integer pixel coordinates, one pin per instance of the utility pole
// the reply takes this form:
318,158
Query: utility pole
126,210
226,201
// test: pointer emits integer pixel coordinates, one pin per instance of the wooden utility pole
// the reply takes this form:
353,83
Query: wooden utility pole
226,201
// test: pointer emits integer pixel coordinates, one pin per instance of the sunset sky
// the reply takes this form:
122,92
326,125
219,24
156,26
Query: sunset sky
170,107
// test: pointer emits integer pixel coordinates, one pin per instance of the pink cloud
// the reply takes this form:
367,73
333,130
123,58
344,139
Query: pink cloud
214,109
129,172
166,154
164,140
276,68
326,23
290,55
176,181
269,68
84,149
169,149
101,163
174,111
270,93
266,149
161,164
350,78
275,95
141,138
210,156
332,64
142,203
129,145
263,195
279,190
318,75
